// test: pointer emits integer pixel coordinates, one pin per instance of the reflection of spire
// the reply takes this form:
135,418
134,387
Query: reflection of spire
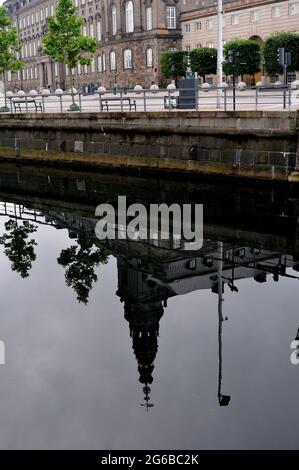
143,321
222,399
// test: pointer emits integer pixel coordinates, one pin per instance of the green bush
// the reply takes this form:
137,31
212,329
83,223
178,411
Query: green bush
249,59
174,63
290,41
203,61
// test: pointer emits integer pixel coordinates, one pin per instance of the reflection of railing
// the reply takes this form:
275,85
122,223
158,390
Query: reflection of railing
21,212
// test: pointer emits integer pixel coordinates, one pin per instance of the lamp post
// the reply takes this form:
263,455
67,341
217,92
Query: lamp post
219,51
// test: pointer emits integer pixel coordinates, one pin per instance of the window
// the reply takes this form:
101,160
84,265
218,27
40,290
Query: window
197,25
32,18
91,30
84,30
293,8
52,10
187,28
100,64
235,20
85,69
34,48
223,21
149,57
35,72
198,45
47,12
128,59
79,68
254,15
41,15
209,23
149,18
113,19
112,60
129,11
56,69
92,66
188,48
28,20
104,62
36,16
99,30
210,45
275,12
171,17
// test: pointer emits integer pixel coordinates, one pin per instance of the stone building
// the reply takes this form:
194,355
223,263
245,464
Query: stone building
242,19
131,35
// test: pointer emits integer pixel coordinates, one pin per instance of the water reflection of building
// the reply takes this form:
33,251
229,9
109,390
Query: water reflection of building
149,273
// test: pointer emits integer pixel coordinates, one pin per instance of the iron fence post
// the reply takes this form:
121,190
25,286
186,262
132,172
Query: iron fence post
121,101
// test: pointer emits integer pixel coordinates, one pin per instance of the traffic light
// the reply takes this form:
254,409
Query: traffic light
288,58
281,56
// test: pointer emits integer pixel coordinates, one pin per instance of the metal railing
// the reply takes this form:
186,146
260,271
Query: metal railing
147,100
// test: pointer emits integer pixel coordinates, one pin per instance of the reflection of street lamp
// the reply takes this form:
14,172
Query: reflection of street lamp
222,399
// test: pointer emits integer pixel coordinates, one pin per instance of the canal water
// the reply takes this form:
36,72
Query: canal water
132,344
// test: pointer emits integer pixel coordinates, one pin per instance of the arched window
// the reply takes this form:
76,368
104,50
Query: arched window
129,11
113,19
127,59
99,30
112,60
149,57
149,18
100,68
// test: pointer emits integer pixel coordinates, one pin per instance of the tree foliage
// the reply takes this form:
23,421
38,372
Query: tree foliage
174,63
80,262
17,247
203,61
65,42
9,45
290,41
248,60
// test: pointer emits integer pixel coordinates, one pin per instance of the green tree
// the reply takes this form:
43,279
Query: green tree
203,61
174,63
9,47
65,42
290,41
80,262
17,247
248,60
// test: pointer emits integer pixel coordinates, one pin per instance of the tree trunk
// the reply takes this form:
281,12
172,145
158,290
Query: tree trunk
4,83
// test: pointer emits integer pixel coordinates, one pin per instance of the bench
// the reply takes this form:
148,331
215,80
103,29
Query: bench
125,101
18,103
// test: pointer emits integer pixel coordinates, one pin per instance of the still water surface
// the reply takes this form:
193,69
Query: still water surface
92,331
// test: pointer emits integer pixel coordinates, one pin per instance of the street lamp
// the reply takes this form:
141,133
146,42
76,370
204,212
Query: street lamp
219,51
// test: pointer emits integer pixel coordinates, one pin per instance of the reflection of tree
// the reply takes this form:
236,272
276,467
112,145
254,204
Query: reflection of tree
17,247
80,262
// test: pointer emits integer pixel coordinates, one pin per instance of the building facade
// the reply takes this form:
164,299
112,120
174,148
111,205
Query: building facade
242,19
131,36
